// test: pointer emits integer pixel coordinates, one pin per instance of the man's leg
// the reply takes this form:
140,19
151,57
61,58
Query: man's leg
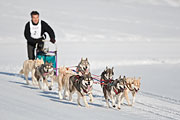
30,50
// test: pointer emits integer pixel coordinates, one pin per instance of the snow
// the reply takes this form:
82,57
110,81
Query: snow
137,37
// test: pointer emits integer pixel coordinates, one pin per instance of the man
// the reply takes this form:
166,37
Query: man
35,33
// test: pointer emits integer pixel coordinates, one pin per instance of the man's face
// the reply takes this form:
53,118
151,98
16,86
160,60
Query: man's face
35,19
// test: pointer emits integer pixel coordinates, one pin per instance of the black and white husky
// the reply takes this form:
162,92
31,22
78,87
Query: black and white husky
83,67
43,72
112,89
82,85
107,76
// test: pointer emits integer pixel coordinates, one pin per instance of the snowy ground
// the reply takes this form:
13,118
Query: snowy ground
138,38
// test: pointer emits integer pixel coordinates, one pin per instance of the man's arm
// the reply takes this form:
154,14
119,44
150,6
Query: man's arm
28,37
49,30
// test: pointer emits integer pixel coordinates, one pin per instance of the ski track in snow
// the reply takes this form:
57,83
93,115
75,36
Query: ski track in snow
160,106
163,98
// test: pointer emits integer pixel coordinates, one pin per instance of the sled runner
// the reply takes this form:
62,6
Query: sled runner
48,52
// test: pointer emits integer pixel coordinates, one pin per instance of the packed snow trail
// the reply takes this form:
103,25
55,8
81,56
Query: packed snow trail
24,100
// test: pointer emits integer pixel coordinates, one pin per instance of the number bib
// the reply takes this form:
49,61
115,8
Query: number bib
35,30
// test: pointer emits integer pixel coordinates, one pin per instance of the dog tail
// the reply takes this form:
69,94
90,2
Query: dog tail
21,72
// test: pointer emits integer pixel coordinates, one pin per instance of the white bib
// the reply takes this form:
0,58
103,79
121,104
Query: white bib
35,30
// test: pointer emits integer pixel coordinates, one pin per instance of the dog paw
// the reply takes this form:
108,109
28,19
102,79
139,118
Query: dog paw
79,105
129,104
60,97
87,106
50,88
107,107
91,101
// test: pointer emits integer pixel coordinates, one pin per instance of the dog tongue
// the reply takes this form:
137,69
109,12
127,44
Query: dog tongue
89,87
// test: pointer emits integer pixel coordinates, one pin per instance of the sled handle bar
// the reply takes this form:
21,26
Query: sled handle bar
50,41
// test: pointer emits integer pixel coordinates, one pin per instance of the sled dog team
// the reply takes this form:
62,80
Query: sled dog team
81,82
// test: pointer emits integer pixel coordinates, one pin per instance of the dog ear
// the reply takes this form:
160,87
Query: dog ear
112,68
83,76
86,59
89,74
81,58
120,77
59,70
124,78
51,64
106,67
115,82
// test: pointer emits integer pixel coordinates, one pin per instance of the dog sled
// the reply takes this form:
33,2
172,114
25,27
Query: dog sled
48,52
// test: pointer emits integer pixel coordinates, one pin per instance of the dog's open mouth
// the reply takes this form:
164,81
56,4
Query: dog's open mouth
86,70
88,87
136,90
121,89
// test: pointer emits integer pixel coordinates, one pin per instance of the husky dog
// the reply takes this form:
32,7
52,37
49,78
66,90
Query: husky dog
43,72
112,89
83,67
63,80
29,66
82,85
107,76
133,86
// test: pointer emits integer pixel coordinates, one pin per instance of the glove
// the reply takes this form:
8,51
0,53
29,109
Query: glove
39,41
44,36
53,40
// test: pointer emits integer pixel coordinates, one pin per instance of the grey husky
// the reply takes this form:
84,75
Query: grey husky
106,76
82,85
83,67
43,72
112,89
29,66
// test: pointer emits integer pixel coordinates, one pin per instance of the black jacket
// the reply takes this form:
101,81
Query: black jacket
44,28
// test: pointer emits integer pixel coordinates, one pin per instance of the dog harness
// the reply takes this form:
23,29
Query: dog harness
128,86
117,91
105,82
77,79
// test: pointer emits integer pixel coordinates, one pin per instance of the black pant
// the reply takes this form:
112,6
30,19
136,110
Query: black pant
30,50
